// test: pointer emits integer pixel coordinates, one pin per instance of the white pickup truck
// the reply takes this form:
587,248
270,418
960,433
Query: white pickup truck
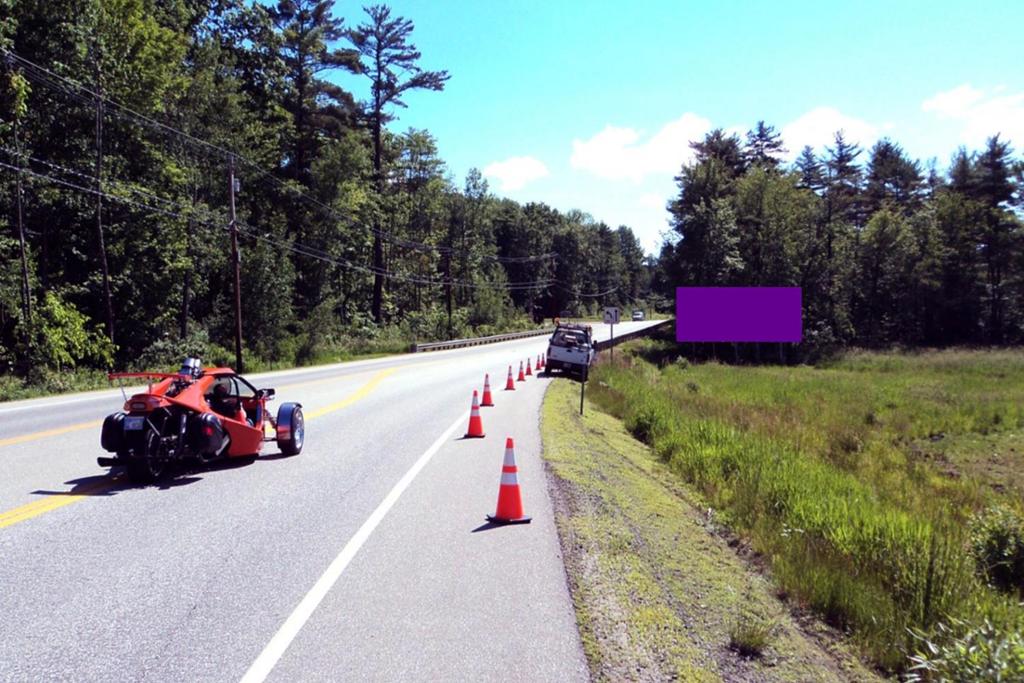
571,348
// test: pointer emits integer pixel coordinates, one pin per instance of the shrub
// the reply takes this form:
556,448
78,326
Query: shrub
997,543
167,353
64,338
750,636
976,653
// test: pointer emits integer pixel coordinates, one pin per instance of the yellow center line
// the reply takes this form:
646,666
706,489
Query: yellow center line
325,380
53,502
352,398
56,501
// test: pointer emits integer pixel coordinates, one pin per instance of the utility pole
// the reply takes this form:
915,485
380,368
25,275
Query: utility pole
186,289
236,264
99,195
26,298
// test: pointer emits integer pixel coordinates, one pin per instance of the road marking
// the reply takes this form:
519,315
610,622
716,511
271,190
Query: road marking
10,441
53,502
277,646
50,404
362,392
58,500
325,380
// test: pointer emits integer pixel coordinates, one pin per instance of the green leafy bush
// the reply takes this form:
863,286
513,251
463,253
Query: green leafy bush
167,353
64,337
997,542
969,653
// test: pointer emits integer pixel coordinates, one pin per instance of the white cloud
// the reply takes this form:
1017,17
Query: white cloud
515,173
954,103
981,114
621,153
818,127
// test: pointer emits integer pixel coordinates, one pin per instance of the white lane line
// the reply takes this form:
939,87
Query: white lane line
263,665
49,404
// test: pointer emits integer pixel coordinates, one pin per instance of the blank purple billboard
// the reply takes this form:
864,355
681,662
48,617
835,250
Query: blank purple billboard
739,314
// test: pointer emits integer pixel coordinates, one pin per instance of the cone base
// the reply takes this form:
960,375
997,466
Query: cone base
474,436
518,520
486,405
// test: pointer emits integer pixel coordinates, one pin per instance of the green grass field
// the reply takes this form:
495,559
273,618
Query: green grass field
660,593
882,490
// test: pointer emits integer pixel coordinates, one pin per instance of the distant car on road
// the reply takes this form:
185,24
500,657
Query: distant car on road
199,414
638,314
571,348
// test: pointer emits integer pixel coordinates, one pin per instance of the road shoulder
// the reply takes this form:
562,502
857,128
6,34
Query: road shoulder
658,594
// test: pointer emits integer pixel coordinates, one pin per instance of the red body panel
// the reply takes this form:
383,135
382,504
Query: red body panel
246,439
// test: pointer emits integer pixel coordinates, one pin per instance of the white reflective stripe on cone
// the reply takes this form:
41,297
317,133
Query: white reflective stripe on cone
509,479
510,458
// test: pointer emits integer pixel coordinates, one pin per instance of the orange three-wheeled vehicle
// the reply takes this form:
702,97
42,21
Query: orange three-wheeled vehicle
200,414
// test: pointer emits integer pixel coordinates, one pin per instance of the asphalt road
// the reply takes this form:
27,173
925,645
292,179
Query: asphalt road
366,557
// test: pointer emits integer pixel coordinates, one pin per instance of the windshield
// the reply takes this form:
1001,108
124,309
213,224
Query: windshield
569,338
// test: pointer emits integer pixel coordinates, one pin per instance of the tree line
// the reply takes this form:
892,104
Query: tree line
121,122
887,252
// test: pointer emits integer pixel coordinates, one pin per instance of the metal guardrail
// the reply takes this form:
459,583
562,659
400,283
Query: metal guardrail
619,339
477,341
494,338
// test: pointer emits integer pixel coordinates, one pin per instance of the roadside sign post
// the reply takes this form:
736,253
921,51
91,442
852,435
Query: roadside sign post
611,318
583,384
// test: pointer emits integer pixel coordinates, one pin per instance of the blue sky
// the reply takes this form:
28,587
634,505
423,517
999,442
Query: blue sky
590,105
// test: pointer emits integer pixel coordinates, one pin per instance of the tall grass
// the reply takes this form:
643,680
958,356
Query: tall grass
814,466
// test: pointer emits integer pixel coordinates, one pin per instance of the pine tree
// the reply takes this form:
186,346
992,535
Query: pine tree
961,173
892,178
725,149
390,62
307,31
811,170
764,147
992,187
844,181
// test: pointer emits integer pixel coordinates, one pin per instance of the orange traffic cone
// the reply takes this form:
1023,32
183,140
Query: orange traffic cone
476,425
540,362
510,502
522,377
528,371
487,401
509,384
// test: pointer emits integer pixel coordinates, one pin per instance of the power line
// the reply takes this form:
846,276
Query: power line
593,295
58,82
94,191
186,213
75,90
316,254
